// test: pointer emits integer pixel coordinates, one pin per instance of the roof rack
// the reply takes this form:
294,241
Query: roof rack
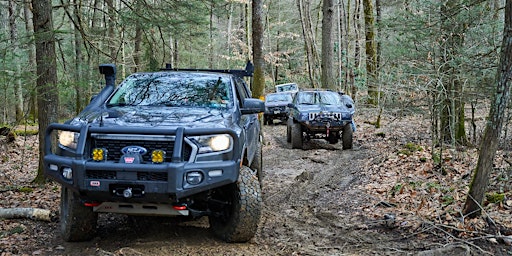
248,71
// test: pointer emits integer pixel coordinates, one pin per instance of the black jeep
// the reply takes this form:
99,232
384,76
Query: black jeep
177,142
317,114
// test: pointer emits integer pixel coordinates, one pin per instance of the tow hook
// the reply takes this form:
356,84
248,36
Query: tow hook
328,125
127,193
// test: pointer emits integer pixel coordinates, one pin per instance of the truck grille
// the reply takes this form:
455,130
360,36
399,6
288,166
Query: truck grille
278,108
114,148
112,175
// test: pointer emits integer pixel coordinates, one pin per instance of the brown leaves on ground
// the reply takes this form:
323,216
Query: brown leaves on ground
425,188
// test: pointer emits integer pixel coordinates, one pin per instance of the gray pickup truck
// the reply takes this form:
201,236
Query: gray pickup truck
176,142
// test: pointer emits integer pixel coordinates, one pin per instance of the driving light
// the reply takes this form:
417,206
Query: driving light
99,154
194,178
68,139
215,173
157,156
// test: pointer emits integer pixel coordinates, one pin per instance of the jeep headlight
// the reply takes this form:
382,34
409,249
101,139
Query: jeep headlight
213,143
68,139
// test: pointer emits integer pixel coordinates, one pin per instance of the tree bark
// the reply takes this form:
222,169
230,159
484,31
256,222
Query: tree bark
489,144
328,79
257,44
47,95
371,54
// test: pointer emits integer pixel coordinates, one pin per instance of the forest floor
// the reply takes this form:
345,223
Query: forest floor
387,196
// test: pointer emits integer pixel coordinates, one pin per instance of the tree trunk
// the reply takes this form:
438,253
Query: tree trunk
29,26
47,95
309,41
26,213
18,89
489,144
452,112
257,44
328,79
371,54
79,61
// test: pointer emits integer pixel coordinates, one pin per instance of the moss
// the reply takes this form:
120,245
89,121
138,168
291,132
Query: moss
495,197
25,189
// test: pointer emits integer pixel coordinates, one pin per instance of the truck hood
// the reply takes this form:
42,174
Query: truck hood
276,103
169,117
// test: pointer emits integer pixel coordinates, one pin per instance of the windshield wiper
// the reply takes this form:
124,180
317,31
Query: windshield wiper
119,104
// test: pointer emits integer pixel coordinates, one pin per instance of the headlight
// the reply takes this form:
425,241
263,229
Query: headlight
213,143
68,139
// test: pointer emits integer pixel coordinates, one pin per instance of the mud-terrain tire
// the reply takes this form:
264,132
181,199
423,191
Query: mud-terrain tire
241,215
289,130
77,222
296,135
257,163
347,136
333,138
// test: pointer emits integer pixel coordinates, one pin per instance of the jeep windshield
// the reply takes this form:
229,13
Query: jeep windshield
318,97
174,89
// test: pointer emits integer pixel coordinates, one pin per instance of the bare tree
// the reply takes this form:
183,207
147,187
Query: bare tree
328,78
494,125
13,11
47,94
309,41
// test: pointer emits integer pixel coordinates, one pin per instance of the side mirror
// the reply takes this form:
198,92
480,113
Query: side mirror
291,105
253,106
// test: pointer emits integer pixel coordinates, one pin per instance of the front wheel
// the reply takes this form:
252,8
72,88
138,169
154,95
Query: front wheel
289,130
240,215
296,134
77,222
347,136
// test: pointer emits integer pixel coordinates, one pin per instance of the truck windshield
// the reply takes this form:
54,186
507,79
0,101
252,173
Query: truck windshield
174,90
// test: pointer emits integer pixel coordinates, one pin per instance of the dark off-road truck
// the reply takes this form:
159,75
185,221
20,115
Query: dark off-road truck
317,114
177,142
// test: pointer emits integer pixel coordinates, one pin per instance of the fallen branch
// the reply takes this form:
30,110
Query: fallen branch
28,213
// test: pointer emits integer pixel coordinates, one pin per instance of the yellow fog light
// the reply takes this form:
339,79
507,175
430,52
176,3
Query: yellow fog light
99,154
157,156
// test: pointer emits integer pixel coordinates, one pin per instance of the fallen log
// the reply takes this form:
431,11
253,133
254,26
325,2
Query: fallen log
27,213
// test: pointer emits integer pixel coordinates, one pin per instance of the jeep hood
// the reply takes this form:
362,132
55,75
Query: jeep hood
157,117
324,108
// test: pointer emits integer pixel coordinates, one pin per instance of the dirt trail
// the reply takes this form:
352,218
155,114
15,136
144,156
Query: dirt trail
311,207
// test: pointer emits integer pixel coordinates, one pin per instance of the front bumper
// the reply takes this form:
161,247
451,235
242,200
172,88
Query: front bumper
146,182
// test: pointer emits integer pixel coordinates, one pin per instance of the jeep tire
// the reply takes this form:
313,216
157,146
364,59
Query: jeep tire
240,216
289,130
296,135
347,136
77,222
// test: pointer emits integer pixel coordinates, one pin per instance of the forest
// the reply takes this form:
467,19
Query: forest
446,60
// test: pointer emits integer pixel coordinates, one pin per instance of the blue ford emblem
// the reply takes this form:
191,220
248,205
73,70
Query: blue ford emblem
134,150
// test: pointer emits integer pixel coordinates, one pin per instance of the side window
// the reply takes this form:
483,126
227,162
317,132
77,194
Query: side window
241,91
